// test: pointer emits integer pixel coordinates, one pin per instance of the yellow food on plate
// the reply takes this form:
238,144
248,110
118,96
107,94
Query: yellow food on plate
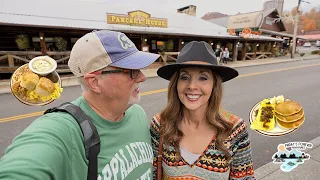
32,95
265,119
292,118
32,89
291,125
44,87
288,108
29,80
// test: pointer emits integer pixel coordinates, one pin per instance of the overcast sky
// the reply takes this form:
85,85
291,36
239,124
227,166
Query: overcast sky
229,7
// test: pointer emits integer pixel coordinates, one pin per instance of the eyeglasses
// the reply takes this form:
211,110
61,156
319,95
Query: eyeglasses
134,73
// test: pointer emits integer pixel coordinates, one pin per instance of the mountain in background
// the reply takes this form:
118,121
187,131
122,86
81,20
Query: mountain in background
213,15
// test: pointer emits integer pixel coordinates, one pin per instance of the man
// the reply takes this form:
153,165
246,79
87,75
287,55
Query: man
107,65
218,52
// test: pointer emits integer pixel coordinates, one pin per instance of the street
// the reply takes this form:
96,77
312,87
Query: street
297,80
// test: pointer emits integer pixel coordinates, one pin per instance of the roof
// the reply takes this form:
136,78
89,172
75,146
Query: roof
76,14
311,37
223,21
281,34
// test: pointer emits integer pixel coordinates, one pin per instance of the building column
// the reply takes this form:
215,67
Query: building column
180,45
235,50
43,43
244,51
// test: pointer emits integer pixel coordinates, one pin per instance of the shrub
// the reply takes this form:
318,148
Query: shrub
22,41
262,47
302,54
61,43
315,52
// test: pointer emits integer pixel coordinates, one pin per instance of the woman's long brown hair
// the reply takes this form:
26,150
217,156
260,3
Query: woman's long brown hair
172,116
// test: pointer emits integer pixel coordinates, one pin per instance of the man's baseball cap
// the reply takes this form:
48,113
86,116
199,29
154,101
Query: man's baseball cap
99,49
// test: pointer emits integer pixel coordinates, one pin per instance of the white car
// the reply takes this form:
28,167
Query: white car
307,44
318,43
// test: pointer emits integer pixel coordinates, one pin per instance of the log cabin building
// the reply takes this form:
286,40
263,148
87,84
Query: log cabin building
33,28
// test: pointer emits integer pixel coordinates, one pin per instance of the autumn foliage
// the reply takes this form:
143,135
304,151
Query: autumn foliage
308,21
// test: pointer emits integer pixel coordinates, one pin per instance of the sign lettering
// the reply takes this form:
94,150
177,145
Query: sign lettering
137,18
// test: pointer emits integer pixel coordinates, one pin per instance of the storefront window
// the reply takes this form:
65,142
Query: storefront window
161,45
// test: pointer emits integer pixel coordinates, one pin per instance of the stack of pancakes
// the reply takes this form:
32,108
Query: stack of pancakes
289,114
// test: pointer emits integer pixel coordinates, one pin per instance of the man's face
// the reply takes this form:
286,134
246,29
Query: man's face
121,87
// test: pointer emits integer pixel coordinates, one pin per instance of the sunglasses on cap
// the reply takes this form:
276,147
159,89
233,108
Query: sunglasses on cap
134,73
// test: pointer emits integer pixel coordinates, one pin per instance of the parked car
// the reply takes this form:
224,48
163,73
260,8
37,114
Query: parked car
318,43
307,44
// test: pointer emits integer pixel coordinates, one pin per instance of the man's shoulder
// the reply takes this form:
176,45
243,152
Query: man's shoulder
136,109
57,121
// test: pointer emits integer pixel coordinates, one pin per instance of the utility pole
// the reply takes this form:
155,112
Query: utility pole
294,41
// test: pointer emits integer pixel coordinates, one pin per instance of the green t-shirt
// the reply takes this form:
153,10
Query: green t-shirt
52,148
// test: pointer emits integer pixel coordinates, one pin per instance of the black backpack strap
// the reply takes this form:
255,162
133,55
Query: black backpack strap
90,134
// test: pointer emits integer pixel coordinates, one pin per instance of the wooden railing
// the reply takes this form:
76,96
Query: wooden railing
168,55
257,55
11,60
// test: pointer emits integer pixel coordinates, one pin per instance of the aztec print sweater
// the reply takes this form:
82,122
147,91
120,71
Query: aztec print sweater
211,165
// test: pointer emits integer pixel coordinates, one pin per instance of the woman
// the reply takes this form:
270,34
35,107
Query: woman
225,55
199,139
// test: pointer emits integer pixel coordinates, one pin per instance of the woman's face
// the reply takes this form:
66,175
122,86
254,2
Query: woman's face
195,87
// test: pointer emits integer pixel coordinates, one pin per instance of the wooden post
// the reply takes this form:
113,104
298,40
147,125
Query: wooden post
235,50
43,43
10,60
244,50
180,45
255,50
165,58
209,42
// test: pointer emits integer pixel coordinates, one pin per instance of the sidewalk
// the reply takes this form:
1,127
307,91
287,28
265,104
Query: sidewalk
309,170
151,71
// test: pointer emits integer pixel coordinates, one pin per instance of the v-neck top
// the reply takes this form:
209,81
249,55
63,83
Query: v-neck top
212,163
188,156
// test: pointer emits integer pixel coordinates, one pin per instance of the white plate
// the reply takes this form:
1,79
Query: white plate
54,76
277,131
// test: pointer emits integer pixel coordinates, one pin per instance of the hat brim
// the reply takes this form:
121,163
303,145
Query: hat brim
137,60
226,73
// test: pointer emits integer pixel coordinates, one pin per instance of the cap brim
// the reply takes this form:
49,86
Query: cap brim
226,73
137,60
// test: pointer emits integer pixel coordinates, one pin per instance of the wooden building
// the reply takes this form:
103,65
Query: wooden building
32,28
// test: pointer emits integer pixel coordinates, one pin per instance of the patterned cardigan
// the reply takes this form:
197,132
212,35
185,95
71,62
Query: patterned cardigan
211,165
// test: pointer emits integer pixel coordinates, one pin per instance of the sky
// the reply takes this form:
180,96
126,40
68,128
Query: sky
229,7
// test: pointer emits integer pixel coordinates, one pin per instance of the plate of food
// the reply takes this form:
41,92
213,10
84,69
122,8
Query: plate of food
276,116
36,83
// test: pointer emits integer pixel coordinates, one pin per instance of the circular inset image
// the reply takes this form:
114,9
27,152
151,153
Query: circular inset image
276,116
34,89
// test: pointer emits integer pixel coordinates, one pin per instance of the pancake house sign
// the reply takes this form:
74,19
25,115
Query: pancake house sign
137,18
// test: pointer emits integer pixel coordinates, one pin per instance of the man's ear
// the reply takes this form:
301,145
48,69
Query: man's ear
92,82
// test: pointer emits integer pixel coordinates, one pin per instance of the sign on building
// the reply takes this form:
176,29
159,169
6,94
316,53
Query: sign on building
137,18
245,24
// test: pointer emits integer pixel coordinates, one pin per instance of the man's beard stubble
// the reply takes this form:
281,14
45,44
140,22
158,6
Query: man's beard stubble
134,100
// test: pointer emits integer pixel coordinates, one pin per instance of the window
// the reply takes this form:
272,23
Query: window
269,20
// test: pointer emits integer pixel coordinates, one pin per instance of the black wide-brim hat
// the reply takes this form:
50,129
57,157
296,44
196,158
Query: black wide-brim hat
197,51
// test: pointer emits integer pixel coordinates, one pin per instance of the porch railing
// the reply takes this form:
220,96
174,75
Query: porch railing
11,60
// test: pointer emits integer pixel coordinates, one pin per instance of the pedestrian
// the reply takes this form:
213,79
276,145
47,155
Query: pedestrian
193,137
218,52
107,65
225,55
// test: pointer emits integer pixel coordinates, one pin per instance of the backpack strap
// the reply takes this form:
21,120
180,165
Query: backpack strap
90,134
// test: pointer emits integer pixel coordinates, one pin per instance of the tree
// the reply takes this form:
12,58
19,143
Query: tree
292,156
283,156
276,156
